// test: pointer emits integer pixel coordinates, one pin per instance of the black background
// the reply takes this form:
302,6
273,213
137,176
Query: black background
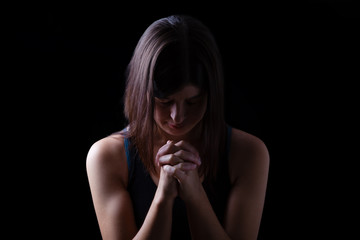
290,74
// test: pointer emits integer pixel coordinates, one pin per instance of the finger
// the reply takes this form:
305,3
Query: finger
175,172
168,148
178,171
186,166
170,170
187,147
179,174
169,159
188,157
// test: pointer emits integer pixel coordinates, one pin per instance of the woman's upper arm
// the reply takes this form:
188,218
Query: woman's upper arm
248,166
107,174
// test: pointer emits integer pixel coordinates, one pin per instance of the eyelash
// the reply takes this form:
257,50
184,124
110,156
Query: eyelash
166,103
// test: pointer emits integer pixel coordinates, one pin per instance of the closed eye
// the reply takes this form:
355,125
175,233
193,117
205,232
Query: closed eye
164,102
194,100
191,102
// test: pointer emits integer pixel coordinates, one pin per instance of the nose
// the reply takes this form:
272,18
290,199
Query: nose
177,113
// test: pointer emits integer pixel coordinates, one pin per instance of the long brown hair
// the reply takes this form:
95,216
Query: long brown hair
169,55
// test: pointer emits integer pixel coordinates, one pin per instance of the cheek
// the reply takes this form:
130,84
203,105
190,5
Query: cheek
198,112
160,114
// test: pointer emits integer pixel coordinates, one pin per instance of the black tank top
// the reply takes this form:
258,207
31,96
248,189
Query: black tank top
142,190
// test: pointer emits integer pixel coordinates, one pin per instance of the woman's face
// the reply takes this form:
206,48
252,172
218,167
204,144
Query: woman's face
180,112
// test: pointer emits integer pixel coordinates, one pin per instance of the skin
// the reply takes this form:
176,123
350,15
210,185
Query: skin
177,115
178,118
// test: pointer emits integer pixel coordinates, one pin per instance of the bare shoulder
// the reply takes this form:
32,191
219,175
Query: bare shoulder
106,157
249,155
110,145
246,143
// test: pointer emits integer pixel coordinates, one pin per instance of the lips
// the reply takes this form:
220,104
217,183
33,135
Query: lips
176,126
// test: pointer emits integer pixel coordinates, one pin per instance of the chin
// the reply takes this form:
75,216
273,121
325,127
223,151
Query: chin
176,132
181,132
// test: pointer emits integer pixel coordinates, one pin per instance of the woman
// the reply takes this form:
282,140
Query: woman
177,171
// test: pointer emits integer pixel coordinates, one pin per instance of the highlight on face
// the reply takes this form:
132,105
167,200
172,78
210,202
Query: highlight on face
177,114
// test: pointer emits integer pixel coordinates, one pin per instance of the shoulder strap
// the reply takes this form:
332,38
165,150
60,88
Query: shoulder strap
127,152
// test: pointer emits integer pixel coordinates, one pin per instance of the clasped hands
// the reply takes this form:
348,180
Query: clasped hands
179,162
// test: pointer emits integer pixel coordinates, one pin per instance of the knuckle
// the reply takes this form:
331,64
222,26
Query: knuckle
171,157
164,159
169,170
180,165
180,153
181,143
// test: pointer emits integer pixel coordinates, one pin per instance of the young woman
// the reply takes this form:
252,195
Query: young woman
177,171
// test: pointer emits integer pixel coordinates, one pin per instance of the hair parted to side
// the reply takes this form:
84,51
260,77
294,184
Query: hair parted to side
172,52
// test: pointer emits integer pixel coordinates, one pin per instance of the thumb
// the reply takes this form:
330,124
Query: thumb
176,172
179,174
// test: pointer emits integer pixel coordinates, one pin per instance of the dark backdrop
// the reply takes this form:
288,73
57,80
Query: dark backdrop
283,63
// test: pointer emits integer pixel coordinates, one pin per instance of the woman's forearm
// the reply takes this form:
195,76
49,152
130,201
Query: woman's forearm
157,224
203,221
